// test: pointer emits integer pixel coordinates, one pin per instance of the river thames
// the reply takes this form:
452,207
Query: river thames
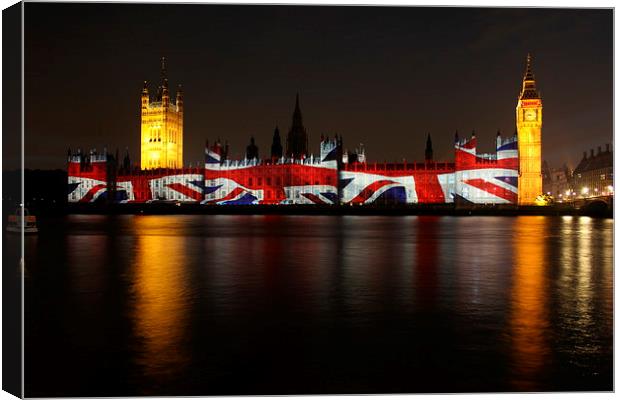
208,305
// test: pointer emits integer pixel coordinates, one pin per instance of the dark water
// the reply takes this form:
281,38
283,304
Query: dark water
189,305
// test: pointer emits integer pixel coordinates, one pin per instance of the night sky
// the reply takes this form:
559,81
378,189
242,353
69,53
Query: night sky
382,76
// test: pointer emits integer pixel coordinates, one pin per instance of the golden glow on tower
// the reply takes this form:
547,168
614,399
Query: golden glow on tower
162,127
529,130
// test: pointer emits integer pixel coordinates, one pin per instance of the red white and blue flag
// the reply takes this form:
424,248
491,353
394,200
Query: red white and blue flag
309,181
485,180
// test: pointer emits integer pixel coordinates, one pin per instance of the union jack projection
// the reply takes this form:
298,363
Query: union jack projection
486,178
284,181
327,179
87,178
91,182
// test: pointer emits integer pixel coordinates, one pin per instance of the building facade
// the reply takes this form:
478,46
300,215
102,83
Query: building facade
529,130
557,182
327,179
594,176
161,126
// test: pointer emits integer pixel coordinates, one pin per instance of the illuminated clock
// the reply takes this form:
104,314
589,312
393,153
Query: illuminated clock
530,115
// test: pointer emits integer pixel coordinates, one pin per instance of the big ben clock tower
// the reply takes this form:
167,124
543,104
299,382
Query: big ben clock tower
529,129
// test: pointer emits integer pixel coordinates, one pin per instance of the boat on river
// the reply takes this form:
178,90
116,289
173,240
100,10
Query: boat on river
29,222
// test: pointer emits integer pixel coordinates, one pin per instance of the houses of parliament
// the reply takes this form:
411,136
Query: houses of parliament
290,174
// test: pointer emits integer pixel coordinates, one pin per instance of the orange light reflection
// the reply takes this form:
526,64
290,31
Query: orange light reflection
161,299
529,319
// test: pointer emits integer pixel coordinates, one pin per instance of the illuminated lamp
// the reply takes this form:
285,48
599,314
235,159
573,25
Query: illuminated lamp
542,200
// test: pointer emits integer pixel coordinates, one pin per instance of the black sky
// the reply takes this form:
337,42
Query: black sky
383,76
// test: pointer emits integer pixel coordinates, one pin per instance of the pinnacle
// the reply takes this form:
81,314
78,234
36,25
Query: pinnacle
529,83
529,75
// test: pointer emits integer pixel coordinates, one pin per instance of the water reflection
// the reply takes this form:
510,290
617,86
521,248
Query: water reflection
207,305
529,319
584,274
427,265
585,288
161,300
87,262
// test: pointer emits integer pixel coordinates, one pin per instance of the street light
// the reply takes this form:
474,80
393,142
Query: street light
585,191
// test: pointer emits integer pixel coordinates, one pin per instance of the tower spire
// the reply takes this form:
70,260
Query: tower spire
164,75
428,153
529,91
297,119
276,145
529,75
297,139
165,95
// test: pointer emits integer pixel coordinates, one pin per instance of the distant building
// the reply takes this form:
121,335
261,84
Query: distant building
595,174
557,181
161,127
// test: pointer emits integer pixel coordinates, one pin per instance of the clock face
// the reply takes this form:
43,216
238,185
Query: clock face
530,115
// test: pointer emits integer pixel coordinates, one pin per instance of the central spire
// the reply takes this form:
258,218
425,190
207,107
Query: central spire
297,119
428,152
297,139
